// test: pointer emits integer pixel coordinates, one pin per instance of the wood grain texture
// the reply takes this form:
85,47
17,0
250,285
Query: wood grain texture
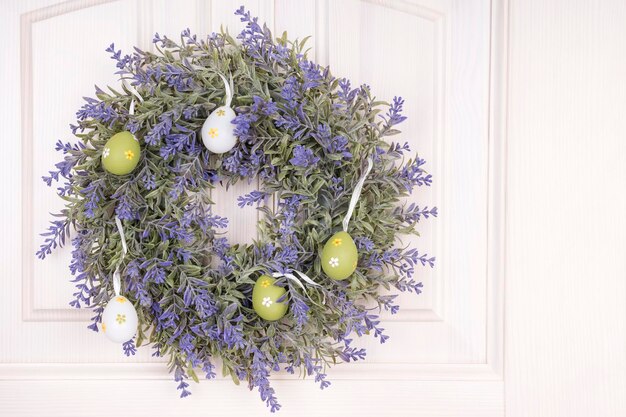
566,265
220,398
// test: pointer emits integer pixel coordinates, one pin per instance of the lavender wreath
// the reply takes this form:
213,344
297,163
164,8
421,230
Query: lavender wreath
306,135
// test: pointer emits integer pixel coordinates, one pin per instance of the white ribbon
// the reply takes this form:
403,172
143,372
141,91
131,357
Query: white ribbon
117,282
120,229
133,91
304,278
227,89
357,193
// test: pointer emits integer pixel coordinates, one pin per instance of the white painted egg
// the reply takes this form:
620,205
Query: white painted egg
218,132
119,320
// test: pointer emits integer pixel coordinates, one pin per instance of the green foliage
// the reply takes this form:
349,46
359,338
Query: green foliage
191,288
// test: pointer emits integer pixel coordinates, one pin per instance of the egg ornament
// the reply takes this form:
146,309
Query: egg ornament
121,153
218,131
265,297
119,320
339,256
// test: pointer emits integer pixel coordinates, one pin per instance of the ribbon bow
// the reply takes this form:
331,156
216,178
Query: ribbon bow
298,281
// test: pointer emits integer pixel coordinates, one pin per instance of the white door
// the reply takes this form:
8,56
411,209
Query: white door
519,108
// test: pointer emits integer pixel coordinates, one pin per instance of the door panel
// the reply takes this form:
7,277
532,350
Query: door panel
444,354
475,75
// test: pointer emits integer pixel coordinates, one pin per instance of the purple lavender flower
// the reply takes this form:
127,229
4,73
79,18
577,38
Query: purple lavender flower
92,195
351,354
176,77
55,236
186,343
413,175
64,167
260,379
336,187
232,333
209,369
182,140
258,43
158,131
129,347
155,275
413,213
299,309
394,116
254,197
95,319
364,243
396,150
312,76
291,92
313,367
337,144
178,187
82,245
289,211
149,181
303,157
387,302
180,376
287,256
260,106
345,93
125,209
95,109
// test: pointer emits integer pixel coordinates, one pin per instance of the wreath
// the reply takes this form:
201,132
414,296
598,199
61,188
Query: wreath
208,113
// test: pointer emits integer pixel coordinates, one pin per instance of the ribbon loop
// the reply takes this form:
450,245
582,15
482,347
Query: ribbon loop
227,89
357,193
298,281
120,229
133,91
117,281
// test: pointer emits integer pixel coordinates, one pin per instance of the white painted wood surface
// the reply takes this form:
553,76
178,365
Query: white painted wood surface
566,234
518,109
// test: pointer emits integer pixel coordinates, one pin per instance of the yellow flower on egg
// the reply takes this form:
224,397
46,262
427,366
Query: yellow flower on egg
121,318
337,242
129,154
221,112
265,283
104,327
213,132
120,299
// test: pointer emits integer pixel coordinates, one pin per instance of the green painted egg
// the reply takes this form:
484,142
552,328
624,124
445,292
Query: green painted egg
339,256
264,299
121,153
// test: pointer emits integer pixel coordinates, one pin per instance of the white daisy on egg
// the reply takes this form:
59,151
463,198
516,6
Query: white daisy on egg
333,262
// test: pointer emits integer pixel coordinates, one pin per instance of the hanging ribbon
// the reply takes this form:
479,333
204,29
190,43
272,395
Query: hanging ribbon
228,86
117,281
227,89
133,91
298,281
357,193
